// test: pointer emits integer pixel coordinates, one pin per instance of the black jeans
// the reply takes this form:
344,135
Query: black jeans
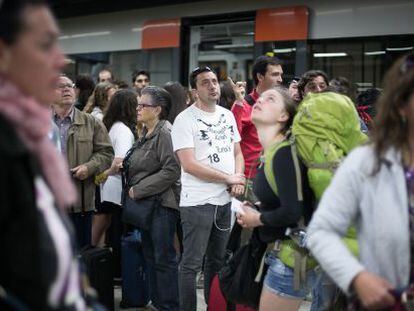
161,257
206,229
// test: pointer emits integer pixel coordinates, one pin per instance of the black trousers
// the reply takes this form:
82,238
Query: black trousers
82,223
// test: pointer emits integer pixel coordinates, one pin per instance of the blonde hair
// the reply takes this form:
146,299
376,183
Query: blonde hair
99,97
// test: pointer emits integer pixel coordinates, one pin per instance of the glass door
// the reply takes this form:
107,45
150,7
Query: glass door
228,48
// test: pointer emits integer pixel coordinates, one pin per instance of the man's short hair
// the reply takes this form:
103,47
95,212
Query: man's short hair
260,65
196,72
308,76
294,79
108,70
136,73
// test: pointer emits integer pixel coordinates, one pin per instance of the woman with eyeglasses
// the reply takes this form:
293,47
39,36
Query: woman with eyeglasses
153,170
374,189
38,270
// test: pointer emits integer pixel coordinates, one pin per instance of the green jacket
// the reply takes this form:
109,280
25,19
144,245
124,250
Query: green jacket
88,143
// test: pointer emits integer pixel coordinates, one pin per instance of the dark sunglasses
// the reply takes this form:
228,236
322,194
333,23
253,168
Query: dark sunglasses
199,70
408,63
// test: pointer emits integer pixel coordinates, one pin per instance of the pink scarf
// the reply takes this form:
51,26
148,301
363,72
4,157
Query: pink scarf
32,122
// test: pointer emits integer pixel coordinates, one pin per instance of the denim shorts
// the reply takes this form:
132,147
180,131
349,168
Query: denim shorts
279,280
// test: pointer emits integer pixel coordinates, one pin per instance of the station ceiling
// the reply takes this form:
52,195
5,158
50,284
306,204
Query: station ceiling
72,8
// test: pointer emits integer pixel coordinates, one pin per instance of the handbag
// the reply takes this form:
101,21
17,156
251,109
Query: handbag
404,301
241,278
139,212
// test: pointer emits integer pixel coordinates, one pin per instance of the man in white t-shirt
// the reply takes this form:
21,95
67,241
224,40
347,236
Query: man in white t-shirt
206,141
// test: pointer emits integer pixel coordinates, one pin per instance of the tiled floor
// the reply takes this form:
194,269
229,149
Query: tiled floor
201,306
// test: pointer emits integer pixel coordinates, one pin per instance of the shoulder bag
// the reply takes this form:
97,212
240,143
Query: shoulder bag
241,278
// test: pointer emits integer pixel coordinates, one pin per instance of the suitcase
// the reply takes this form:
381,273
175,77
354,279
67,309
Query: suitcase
99,269
135,278
217,302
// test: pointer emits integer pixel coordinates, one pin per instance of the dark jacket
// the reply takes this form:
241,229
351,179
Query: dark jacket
284,210
28,259
153,167
88,143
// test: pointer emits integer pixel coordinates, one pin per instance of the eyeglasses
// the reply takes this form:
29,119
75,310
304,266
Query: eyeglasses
142,80
66,85
140,106
408,63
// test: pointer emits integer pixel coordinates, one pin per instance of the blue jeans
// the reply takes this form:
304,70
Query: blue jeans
324,292
279,280
160,255
206,229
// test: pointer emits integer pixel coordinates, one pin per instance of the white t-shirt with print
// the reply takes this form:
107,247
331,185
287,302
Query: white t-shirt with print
122,140
212,135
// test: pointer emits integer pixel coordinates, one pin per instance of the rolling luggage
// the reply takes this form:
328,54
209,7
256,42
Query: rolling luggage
217,302
99,269
135,278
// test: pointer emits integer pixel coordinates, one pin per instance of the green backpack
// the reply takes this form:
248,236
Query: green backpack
325,129
295,257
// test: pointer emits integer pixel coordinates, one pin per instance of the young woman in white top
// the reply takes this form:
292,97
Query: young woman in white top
120,120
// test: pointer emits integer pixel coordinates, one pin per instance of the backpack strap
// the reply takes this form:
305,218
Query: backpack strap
299,258
267,158
297,171
268,167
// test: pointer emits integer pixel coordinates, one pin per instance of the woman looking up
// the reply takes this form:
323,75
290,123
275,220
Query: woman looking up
273,115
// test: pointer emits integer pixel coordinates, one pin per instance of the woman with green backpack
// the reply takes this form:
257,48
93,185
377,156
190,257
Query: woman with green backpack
285,205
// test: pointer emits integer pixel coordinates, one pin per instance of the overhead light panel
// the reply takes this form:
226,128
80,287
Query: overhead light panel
339,54
373,53
84,35
281,51
406,48
230,46
367,84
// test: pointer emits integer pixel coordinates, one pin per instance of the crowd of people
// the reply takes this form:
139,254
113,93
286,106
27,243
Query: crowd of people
66,142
